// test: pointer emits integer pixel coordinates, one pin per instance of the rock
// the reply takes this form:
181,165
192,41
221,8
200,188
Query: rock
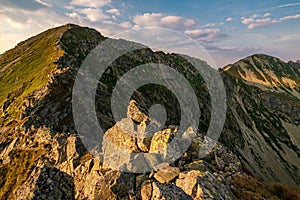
143,140
122,139
158,191
47,183
114,184
139,181
146,191
214,187
160,140
196,165
6,104
166,174
54,184
189,183
4,154
135,113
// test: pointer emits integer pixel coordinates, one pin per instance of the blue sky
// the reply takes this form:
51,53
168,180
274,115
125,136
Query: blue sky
227,30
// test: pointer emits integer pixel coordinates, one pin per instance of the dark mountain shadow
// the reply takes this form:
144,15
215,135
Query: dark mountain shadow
54,184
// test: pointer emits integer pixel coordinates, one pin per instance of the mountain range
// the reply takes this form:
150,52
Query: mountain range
43,157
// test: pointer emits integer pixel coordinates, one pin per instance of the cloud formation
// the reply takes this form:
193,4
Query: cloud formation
288,5
258,20
24,5
113,11
162,20
228,19
88,3
44,3
206,35
93,14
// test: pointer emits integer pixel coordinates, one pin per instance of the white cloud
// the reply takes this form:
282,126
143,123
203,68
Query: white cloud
171,19
210,25
205,35
199,32
89,3
73,15
8,22
288,5
257,20
44,3
126,25
290,17
189,22
162,20
228,19
286,37
18,25
93,14
113,11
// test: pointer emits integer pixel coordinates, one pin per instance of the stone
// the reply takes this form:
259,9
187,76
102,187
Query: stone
135,113
188,182
47,183
158,191
160,140
113,184
213,186
122,139
146,191
166,174
139,182
196,165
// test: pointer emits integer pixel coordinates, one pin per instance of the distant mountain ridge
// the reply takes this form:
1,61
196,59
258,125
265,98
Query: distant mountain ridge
264,100
41,153
295,64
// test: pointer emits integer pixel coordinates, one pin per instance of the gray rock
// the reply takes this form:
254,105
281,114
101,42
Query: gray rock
158,191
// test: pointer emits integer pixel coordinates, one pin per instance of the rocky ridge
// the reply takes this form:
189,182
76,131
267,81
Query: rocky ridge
264,104
42,156
295,64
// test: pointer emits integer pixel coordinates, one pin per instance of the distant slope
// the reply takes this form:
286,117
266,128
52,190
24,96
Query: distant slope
264,116
295,64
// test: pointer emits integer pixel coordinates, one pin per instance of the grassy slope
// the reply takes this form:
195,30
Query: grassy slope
16,172
25,68
247,187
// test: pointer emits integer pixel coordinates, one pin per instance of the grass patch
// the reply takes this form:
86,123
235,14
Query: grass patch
248,187
25,68
17,171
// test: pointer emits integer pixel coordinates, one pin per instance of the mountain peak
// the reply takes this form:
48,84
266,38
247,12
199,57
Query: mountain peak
265,70
26,67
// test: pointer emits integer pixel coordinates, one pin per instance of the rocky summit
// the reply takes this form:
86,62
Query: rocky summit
42,156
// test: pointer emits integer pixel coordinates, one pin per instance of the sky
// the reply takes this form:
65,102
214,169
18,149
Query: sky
226,30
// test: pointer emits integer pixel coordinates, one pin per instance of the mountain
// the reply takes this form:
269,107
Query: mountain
43,157
295,64
264,113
